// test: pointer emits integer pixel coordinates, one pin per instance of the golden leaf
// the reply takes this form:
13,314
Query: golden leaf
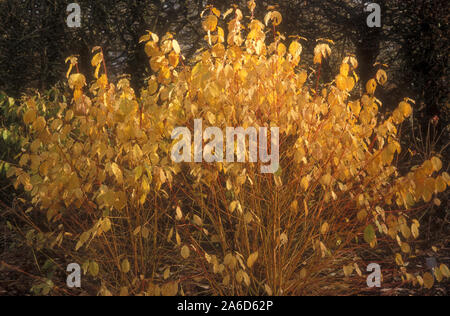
324,228
276,18
179,214
97,59
166,274
216,12
210,23
77,81
197,220
437,163
185,252
371,86
406,248
125,267
381,77
428,280
438,274
29,116
341,82
345,68
176,47
39,124
252,259
348,270
405,108
117,172
444,270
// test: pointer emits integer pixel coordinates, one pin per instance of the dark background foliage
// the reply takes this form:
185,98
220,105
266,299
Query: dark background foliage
413,40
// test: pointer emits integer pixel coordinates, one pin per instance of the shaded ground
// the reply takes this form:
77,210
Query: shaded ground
21,272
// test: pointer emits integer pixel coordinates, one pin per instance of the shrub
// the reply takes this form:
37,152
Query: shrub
10,140
100,169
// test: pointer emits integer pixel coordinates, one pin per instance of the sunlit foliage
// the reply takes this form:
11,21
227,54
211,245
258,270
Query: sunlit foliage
100,169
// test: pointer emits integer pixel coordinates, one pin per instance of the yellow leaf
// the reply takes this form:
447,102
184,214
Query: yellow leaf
39,124
145,232
437,163
361,216
406,232
318,59
145,185
227,13
123,291
170,289
276,18
252,259
281,49
29,116
438,274
102,81
303,273
174,59
267,18
405,108
326,179
406,248
97,59
97,69
428,280
77,94
106,225
381,77
117,172
176,47
348,270
371,86
341,82
197,220
233,206
137,231
324,228
322,49
306,208
179,214
144,38
166,273
350,83
69,71
345,68
77,81
295,49
125,267
444,270
399,259
216,12
185,252
210,23
415,230
355,107
419,280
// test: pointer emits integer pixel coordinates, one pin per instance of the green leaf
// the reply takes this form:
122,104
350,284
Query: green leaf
93,268
369,234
